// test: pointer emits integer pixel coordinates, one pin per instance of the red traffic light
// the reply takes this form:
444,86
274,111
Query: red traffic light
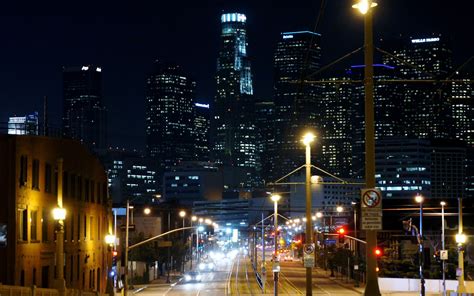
341,230
378,252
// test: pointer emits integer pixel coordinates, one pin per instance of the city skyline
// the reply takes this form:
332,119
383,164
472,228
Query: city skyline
125,50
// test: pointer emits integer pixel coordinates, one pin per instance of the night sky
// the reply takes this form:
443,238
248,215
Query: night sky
124,38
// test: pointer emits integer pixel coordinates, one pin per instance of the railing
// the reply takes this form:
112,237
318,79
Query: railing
7,290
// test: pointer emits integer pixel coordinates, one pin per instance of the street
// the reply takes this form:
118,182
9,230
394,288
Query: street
213,283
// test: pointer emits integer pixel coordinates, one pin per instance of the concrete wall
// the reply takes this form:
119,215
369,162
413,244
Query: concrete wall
413,285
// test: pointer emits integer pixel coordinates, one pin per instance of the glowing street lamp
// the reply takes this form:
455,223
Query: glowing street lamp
110,239
59,214
364,5
339,209
146,211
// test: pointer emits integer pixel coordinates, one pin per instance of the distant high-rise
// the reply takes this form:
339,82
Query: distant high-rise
265,118
169,113
462,109
202,119
336,126
426,112
24,125
297,55
84,115
233,124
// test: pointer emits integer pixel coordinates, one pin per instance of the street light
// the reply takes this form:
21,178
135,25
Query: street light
339,209
182,214
460,240
59,214
110,239
308,138
365,7
276,268
146,211
419,199
443,204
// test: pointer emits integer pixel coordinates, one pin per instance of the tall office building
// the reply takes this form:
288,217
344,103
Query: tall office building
265,116
84,115
388,107
336,126
296,56
462,109
169,110
24,125
202,119
233,128
427,108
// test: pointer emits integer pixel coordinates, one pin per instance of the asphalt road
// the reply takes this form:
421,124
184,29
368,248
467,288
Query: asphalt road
213,284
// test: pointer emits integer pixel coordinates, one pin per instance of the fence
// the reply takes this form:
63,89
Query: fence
6,290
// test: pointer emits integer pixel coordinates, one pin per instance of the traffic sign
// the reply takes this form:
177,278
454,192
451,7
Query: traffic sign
371,198
443,255
308,249
371,209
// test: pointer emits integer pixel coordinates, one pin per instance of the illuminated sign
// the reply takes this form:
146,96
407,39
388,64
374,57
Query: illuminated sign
85,68
202,105
287,36
98,69
233,17
423,40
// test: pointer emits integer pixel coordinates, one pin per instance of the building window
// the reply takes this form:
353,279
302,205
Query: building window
47,178
78,227
85,227
86,189
23,170
79,187
35,179
92,191
44,226
72,227
65,184
73,186
91,230
34,275
22,278
34,225
99,197
23,225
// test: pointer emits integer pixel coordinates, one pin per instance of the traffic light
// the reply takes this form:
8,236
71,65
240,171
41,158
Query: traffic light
341,232
114,258
378,252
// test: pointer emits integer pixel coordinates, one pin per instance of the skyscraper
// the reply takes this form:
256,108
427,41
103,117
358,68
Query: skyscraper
202,119
265,118
84,115
233,128
169,110
426,112
296,56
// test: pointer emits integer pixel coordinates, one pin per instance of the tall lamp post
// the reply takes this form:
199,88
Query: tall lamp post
365,7
182,214
421,260
460,240
59,215
443,203
276,268
193,219
307,139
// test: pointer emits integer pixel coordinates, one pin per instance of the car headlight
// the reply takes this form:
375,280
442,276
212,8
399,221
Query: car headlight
210,266
202,266
187,277
198,277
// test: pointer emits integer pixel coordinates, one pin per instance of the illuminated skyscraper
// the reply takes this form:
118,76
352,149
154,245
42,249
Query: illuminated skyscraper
169,110
233,124
296,56
201,130
84,115
426,112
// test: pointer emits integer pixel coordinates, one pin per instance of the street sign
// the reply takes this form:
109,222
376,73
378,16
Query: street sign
308,261
308,250
371,198
443,255
371,209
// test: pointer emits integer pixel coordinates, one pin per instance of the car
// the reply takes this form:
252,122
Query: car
288,258
192,276
206,266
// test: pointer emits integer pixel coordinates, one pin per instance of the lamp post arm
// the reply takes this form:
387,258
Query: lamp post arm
158,236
